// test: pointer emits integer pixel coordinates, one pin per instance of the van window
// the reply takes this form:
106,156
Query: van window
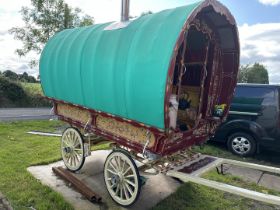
260,95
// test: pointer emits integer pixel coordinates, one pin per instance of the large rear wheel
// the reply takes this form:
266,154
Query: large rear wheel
122,178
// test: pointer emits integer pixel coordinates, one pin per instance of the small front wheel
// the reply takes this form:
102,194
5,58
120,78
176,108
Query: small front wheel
122,178
242,144
72,149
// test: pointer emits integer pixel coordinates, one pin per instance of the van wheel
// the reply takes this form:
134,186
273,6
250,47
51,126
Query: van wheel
242,144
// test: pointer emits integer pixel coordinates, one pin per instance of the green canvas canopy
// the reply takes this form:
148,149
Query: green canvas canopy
122,72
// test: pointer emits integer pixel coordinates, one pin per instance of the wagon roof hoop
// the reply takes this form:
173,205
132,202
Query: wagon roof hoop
195,178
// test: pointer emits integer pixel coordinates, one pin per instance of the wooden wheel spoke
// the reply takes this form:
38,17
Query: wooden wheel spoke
125,191
71,160
113,167
121,194
112,172
128,188
77,144
75,160
127,170
77,154
129,182
123,166
118,189
65,141
117,163
130,176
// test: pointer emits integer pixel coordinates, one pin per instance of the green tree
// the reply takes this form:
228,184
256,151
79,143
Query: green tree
256,73
243,74
10,75
43,20
27,78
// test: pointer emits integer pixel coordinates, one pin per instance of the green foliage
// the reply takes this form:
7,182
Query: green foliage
15,94
10,75
256,73
11,90
26,78
18,77
43,20
35,95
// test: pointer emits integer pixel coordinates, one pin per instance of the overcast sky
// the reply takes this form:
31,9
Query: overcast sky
258,21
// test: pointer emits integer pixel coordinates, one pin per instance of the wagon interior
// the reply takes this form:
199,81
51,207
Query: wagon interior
196,63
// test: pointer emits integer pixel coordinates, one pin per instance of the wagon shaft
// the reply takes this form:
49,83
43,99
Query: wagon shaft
80,186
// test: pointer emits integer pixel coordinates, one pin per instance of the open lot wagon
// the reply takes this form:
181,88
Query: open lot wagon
155,87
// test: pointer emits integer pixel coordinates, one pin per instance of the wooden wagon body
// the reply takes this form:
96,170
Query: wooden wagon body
121,84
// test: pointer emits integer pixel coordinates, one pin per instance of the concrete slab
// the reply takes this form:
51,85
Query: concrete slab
247,174
270,181
156,188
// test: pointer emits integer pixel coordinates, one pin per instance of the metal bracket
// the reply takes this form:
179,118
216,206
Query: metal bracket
148,134
221,170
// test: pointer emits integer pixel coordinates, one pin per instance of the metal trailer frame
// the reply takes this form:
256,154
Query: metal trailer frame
195,178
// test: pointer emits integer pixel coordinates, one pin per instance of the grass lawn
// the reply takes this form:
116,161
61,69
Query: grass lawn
19,150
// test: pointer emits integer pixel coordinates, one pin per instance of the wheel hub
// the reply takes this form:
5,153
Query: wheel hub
68,150
115,180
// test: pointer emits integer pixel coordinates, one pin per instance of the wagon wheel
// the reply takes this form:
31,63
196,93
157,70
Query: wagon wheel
72,149
122,178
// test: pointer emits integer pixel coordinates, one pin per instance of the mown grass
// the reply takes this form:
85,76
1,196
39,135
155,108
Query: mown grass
18,151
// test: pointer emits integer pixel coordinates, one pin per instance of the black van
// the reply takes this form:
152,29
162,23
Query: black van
253,120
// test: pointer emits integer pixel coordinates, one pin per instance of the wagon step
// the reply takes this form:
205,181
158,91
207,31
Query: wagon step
193,171
78,185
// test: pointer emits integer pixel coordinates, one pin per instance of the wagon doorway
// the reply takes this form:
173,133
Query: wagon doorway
192,77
